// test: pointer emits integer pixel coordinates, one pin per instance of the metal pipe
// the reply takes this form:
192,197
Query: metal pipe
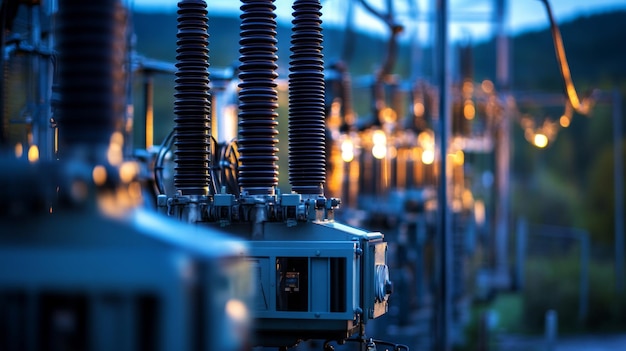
444,234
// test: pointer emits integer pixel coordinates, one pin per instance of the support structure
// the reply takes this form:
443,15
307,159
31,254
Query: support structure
618,169
443,316
503,145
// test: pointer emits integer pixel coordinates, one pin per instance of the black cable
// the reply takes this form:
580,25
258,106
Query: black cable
165,147
232,171
583,107
387,18
215,165
227,163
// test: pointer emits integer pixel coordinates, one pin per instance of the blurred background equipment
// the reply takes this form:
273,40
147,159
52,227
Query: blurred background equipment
83,266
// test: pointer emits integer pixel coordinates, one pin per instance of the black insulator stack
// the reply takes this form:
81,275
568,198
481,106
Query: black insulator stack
91,51
258,98
307,161
192,105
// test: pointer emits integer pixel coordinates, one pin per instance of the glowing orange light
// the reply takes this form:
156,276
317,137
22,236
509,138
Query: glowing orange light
379,137
128,171
428,157
459,158
487,86
540,140
468,87
418,109
347,151
114,153
392,151
149,127
33,154
388,115
117,138
56,140
99,175
379,151
467,198
236,310
469,111
479,212
426,140
19,150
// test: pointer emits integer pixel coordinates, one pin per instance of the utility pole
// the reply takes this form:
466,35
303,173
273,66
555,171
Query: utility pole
618,174
502,151
443,315
503,79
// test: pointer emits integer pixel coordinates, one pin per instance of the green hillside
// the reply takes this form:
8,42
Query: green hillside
156,38
594,47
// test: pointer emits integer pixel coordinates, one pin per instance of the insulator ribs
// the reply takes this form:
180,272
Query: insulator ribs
192,105
307,161
258,99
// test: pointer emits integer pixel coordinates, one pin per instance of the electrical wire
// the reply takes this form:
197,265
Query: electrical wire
224,167
231,155
165,147
582,107
223,171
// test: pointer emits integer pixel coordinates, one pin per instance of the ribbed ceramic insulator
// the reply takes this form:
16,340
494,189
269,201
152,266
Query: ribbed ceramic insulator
91,51
307,160
258,98
192,105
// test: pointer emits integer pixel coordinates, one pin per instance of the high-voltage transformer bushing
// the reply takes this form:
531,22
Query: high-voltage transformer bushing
315,278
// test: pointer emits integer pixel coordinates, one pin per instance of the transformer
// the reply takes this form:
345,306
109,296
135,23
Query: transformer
79,278
317,280
314,278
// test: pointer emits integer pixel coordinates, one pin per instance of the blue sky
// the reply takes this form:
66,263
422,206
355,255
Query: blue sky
469,18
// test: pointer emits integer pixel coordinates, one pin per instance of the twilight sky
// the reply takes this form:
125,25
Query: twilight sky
468,18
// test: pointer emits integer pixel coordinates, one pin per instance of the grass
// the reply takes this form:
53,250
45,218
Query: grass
552,283
504,314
